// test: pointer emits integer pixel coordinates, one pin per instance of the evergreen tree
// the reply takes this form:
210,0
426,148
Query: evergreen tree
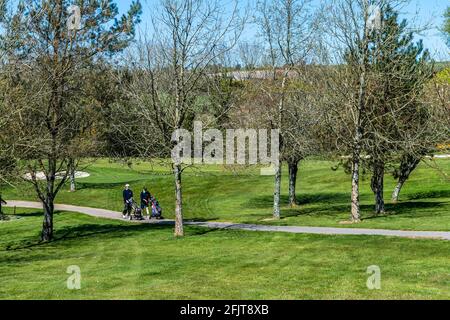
399,69
48,45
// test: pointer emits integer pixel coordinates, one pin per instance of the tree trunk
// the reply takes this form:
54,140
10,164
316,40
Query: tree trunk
355,213
377,185
293,170
73,186
408,165
277,192
47,225
398,189
179,232
2,217
357,139
277,186
356,158
48,200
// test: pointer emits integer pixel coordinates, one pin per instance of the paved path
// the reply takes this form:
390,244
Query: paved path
101,213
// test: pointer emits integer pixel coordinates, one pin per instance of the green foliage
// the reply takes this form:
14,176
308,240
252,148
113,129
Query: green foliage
443,76
399,69
102,30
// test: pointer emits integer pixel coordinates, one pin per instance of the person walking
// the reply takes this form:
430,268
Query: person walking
127,201
145,201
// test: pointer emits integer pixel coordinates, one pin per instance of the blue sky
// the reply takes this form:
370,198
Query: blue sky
428,12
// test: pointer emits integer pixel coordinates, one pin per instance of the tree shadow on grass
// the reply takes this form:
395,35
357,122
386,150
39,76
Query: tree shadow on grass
102,232
319,210
264,202
201,231
109,230
403,209
200,219
329,197
412,209
84,231
26,214
433,194
106,185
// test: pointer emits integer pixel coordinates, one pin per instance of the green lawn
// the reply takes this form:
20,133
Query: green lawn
129,261
220,194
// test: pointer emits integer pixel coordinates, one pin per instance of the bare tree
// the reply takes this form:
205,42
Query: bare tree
51,44
250,54
426,130
381,85
170,74
396,118
408,163
8,164
349,30
287,28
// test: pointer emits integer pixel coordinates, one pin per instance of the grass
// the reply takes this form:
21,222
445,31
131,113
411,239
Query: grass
127,261
119,260
216,193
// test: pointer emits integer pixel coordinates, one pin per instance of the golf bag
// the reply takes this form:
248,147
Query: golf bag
136,211
156,209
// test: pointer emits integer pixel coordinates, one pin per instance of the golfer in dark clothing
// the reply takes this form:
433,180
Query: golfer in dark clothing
127,201
145,200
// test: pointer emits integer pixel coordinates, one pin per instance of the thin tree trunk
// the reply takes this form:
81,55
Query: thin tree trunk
73,186
277,192
356,158
179,232
407,166
49,198
398,189
293,170
355,213
377,185
47,225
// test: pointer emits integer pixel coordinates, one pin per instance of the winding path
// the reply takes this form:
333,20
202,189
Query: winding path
102,213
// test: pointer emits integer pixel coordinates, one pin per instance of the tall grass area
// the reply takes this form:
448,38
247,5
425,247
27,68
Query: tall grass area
119,260
217,193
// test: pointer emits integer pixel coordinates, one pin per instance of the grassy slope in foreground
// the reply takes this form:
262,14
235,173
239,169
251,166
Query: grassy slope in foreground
125,261
217,194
